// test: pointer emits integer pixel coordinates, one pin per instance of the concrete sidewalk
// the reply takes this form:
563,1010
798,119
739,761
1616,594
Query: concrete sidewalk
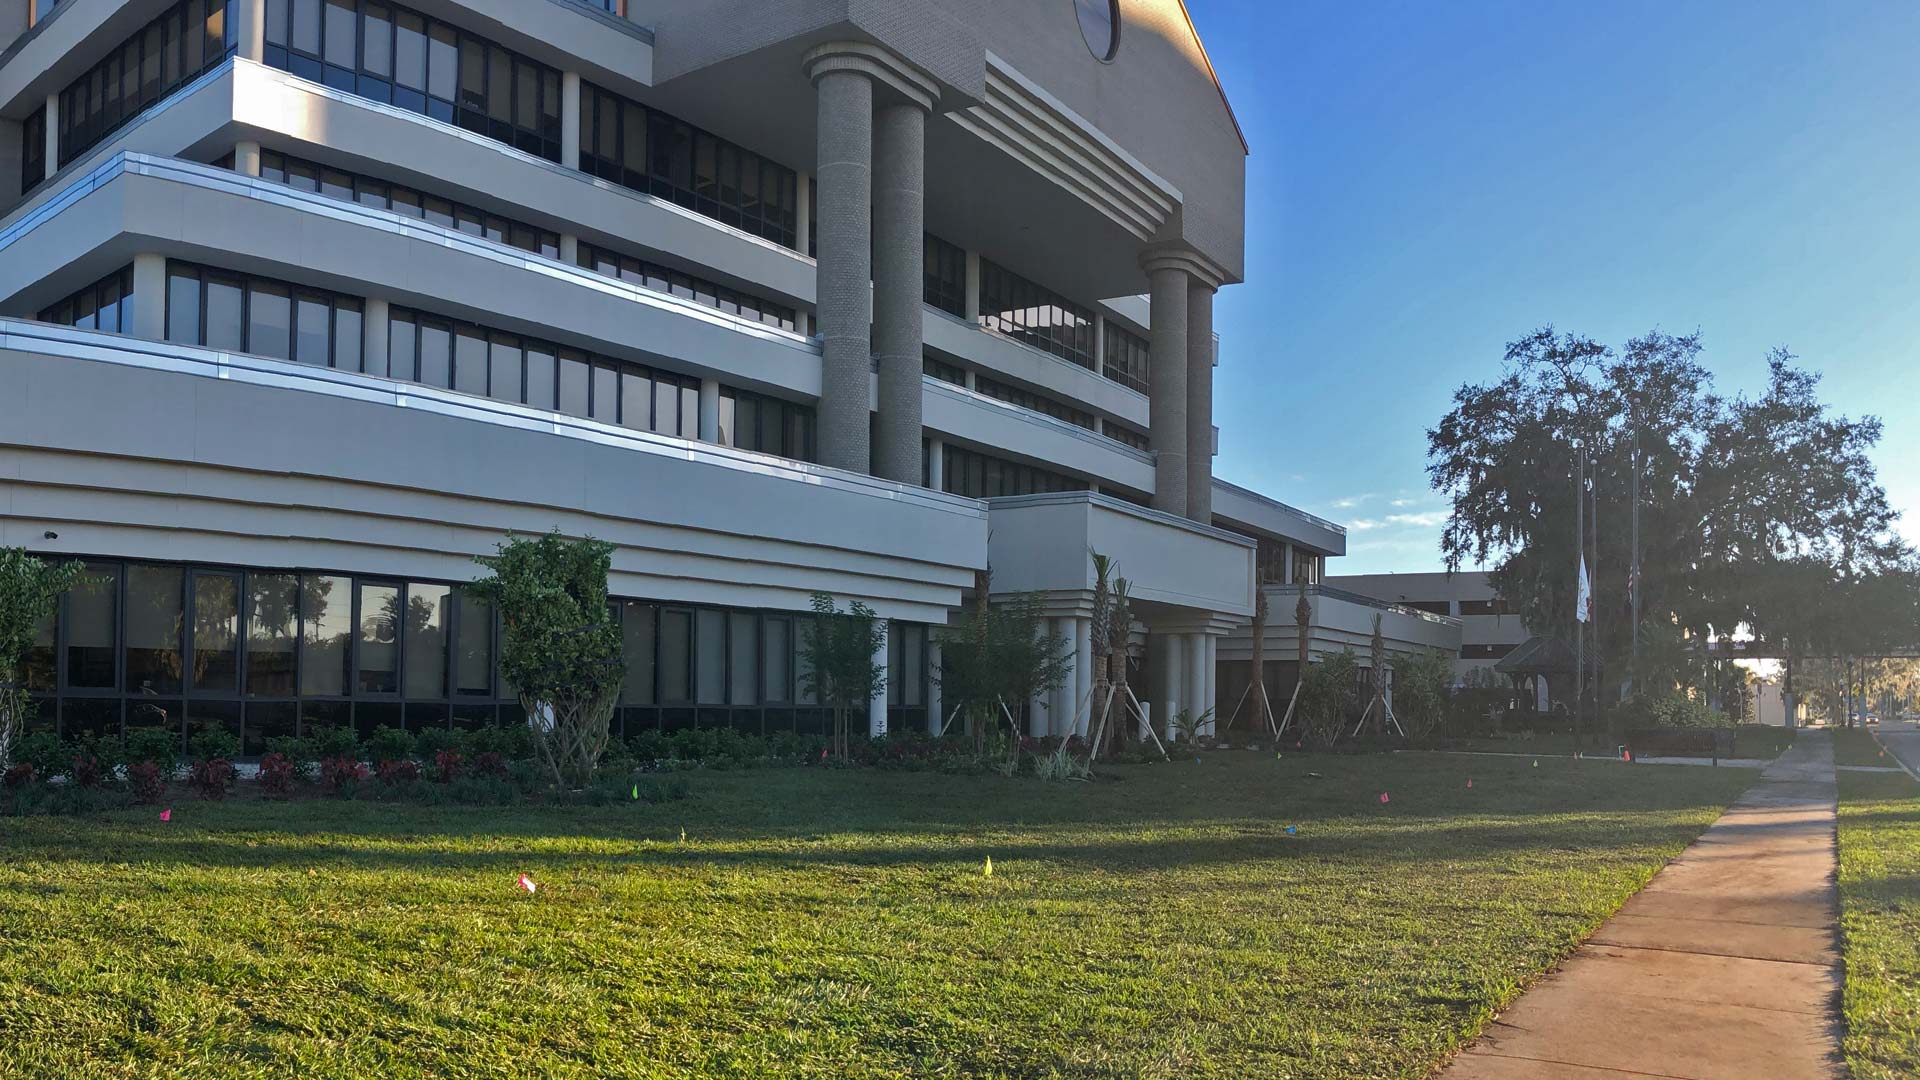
1726,965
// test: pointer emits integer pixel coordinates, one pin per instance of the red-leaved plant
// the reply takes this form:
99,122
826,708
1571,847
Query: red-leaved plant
19,776
448,765
490,764
276,774
340,773
146,782
86,770
212,777
403,771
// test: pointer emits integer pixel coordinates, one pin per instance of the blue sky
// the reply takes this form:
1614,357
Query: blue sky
1430,181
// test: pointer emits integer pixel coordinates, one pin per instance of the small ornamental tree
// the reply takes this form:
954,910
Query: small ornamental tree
29,589
1000,655
561,647
838,648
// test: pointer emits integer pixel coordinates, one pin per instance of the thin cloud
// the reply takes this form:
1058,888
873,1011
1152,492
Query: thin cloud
1426,520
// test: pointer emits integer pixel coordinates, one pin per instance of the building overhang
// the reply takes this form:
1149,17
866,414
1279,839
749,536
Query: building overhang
1338,621
1177,570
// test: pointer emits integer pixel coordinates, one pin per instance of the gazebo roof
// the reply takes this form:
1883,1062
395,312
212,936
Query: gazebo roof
1541,655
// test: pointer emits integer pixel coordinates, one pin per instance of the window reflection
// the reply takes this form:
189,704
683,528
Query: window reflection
380,622
154,621
216,633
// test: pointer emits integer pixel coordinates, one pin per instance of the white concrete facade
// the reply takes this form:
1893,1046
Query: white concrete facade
1488,631
1030,439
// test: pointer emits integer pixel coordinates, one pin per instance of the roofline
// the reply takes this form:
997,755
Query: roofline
1238,131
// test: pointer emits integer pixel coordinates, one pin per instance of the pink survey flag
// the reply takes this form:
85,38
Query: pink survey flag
526,883
1383,796
166,815
1469,781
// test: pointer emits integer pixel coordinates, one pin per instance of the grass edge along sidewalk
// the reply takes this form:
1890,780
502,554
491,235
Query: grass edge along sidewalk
1164,922
1879,825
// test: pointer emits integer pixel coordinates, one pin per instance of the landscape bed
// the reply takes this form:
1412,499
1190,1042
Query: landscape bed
1161,921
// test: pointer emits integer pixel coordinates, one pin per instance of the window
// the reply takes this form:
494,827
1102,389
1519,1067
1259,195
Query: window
1127,357
270,653
1099,27
472,359
106,304
399,57
1032,315
1270,560
945,372
1495,606
1485,652
1027,399
946,286
1121,433
981,476
367,191
262,317
768,425
624,142
675,283
1306,567
33,150
183,41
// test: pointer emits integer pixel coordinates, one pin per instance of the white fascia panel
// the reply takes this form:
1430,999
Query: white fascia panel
1004,428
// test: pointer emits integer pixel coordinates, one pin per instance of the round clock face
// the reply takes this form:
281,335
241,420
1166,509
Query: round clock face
1100,25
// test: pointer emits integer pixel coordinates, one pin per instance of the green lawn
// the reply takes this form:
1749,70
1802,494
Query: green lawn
1856,746
1160,923
1747,743
1880,916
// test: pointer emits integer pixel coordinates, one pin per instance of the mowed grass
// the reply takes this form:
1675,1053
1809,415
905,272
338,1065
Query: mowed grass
1158,923
1857,746
1880,918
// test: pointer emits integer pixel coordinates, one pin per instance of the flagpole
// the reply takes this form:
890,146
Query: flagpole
1593,598
1633,577
1579,570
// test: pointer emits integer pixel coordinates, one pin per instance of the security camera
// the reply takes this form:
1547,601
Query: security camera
50,535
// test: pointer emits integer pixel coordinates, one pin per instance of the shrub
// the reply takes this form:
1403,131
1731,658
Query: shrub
156,745
1329,698
395,773
298,753
510,741
146,780
42,751
433,741
390,744
212,777
1669,711
277,773
19,775
85,770
448,764
334,742
342,774
214,743
489,763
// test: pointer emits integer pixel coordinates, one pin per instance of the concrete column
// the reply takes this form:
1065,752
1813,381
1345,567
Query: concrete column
53,134
250,28
1167,432
936,711
973,380
844,175
1171,699
803,212
570,249
877,708
1099,347
149,296
570,119
1194,688
1286,564
1210,698
972,306
374,358
899,282
1199,401
937,464
1083,674
246,157
710,412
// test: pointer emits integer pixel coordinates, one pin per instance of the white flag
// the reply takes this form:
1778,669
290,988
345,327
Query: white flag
1583,605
